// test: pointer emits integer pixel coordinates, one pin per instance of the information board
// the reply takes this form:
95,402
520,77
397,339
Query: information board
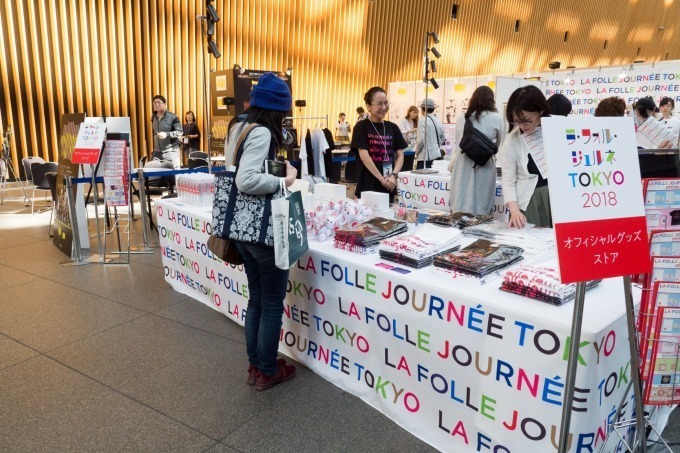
596,197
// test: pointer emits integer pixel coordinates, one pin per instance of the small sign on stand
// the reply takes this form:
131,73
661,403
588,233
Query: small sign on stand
89,143
600,228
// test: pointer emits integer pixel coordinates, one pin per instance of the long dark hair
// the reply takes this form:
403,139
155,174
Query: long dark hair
527,98
482,100
271,119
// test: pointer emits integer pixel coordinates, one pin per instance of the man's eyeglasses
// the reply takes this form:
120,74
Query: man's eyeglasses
382,104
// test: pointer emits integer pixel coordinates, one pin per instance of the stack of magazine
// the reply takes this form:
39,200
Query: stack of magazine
480,259
419,248
365,237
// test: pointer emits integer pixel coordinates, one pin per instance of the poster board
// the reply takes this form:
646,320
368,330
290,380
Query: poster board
63,233
595,197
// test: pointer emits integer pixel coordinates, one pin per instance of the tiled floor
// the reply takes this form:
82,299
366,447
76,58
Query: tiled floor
109,358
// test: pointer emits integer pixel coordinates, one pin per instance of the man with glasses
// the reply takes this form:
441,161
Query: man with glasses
167,129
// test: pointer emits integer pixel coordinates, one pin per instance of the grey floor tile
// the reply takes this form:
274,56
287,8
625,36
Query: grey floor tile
45,406
12,352
10,239
296,423
221,448
191,375
46,315
136,285
39,258
199,315
12,277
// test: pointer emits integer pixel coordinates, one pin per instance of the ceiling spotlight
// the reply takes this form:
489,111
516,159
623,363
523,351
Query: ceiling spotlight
289,71
434,83
433,66
436,52
435,37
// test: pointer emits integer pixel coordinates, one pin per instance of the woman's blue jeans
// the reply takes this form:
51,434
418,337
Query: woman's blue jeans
266,289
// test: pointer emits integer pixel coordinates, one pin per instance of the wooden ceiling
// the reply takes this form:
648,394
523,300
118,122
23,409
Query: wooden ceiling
109,57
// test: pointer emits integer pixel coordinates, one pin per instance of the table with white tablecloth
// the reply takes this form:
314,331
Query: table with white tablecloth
463,366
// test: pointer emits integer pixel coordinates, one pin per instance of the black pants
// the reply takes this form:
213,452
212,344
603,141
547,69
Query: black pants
419,164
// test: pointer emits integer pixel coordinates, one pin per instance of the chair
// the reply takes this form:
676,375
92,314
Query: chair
26,162
39,173
52,182
158,185
197,162
198,155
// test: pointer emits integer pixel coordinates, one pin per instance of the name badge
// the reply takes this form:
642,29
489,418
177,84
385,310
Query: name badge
387,170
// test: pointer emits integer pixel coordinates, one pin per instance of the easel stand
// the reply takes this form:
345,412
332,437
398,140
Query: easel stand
6,157
639,442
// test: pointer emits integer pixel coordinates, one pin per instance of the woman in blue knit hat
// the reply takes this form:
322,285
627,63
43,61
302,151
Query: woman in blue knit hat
270,101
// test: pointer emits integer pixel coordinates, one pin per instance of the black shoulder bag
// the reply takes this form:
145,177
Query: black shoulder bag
476,145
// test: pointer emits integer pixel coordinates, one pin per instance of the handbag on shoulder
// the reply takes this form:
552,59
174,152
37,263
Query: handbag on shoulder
239,216
476,145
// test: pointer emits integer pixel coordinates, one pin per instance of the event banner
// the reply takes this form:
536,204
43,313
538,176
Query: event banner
465,368
63,234
596,197
585,90
433,192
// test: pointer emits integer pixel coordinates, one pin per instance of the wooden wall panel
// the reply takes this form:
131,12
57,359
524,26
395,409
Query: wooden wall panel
109,57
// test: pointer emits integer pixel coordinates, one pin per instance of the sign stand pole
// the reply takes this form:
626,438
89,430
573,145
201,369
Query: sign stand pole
576,322
96,212
640,443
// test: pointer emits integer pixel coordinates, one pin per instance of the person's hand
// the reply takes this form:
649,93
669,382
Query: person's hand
162,135
665,144
291,174
389,182
517,219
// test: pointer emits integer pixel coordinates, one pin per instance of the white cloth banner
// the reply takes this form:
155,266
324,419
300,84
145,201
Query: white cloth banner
465,368
433,192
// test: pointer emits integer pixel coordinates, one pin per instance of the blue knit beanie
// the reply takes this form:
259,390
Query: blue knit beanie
271,93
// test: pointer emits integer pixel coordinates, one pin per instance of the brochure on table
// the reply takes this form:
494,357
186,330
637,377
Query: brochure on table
596,197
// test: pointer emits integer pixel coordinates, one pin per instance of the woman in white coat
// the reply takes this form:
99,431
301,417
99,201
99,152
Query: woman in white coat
524,179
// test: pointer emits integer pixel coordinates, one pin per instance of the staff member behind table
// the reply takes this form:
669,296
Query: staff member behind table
191,135
427,152
342,129
361,114
167,129
666,106
381,147
270,101
559,105
409,125
525,191
643,109
473,188
611,106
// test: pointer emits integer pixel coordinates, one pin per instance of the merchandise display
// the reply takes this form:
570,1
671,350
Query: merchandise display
327,216
371,232
480,259
419,247
459,219
197,189
540,281
530,238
